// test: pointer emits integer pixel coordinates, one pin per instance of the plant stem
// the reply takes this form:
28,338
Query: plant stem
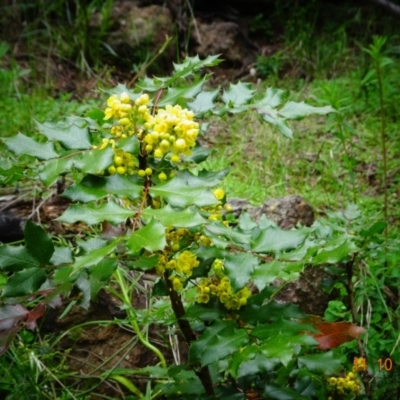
187,332
132,318
383,141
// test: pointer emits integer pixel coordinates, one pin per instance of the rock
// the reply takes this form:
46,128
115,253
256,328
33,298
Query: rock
286,211
225,38
135,30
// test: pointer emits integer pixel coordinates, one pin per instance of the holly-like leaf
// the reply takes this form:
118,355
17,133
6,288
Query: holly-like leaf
293,110
94,161
21,144
272,98
93,214
217,342
68,133
15,258
217,229
276,239
323,363
103,270
203,102
238,94
94,187
178,93
52,169
180,193
264,274
6,338
206,312
334,334
94,257
190,65
284,343
24,282
239,268
203,178
151,237
11,315
336,254
250,361
186,218
61,255
282,328
38,242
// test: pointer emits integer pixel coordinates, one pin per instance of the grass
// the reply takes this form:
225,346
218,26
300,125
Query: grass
264,164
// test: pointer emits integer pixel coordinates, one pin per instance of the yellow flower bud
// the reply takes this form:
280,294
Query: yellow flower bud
162,176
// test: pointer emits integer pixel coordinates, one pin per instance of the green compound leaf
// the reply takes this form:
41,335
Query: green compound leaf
92,214
191,65
129,144
273,98
93,258
276,239
211,311
61,255
239,268
94,187
151,238
238,94
68,133
186,218
282,339
15,258
337,254
217,342
216,229
203,102
52,169
183,191
38,243
293,110
94,161
24,282
103,270
264,274
324,363
251,361
204,178
21,144
179,93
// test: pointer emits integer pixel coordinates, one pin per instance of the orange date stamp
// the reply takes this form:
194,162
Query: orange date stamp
360,364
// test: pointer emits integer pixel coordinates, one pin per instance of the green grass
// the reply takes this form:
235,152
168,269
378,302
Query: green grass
264,164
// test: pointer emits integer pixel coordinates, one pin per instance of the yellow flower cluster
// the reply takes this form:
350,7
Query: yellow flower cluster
123,163
182,268
171,130
220,287
175,236
345,385
128,117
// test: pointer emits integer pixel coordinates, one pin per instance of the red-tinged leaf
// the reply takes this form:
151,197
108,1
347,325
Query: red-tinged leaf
334,334
10,315
35,314
6,338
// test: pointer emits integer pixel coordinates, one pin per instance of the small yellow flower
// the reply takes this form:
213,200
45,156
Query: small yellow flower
219,193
